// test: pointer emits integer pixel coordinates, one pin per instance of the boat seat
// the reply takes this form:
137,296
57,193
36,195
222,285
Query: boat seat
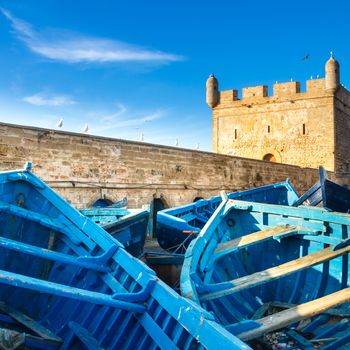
96,263
286,318
254,238
83,295
273,273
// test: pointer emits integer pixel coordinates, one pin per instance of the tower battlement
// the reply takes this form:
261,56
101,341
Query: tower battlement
287,89
328,85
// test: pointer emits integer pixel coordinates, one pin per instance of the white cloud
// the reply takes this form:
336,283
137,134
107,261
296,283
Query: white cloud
46,100
75,48
119,120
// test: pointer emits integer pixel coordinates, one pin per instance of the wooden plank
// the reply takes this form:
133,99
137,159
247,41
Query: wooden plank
53,288
253,238
312,192
88,262
276,272
287,317
261,311
339,312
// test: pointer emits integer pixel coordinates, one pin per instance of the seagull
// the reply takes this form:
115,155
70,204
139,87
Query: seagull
197,145
306,57
60,123
176,142
142,138
86,129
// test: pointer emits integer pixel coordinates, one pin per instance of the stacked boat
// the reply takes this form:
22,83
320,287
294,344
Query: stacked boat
260,271
275,276
65,283
177,227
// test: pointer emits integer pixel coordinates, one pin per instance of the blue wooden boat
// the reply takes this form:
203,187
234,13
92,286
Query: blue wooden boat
177,227
327,194
128,226
274,272
65,283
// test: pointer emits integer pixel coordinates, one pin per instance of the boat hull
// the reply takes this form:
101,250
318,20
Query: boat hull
128,226
177,227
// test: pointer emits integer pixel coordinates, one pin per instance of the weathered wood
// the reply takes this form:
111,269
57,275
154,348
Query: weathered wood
261,311
253,238
278,271
287,317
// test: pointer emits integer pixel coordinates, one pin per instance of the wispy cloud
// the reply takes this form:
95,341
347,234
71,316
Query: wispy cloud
119,119
75,48
49,100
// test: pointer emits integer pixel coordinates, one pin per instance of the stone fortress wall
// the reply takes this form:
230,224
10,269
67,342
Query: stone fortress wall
85,168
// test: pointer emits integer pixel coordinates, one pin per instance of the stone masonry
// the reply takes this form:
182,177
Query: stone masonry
307,129
84,168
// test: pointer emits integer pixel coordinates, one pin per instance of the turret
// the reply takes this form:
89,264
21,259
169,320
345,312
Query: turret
332,74
212,97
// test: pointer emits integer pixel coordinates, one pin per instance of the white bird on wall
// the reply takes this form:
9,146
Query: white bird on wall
176,143
142,138
86,129
60,123
197,145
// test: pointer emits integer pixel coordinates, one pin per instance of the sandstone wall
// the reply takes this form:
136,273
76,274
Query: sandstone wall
342,135
297,128
84,168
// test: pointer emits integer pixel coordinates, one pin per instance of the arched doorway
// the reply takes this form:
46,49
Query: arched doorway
157,204
102,203
269,157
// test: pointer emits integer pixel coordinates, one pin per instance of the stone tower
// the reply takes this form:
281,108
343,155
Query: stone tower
212,91
332,79
307,129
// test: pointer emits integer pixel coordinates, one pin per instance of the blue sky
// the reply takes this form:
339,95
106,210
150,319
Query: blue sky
128,68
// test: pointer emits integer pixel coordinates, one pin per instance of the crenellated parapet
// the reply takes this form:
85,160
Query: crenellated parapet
279,90
320,86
